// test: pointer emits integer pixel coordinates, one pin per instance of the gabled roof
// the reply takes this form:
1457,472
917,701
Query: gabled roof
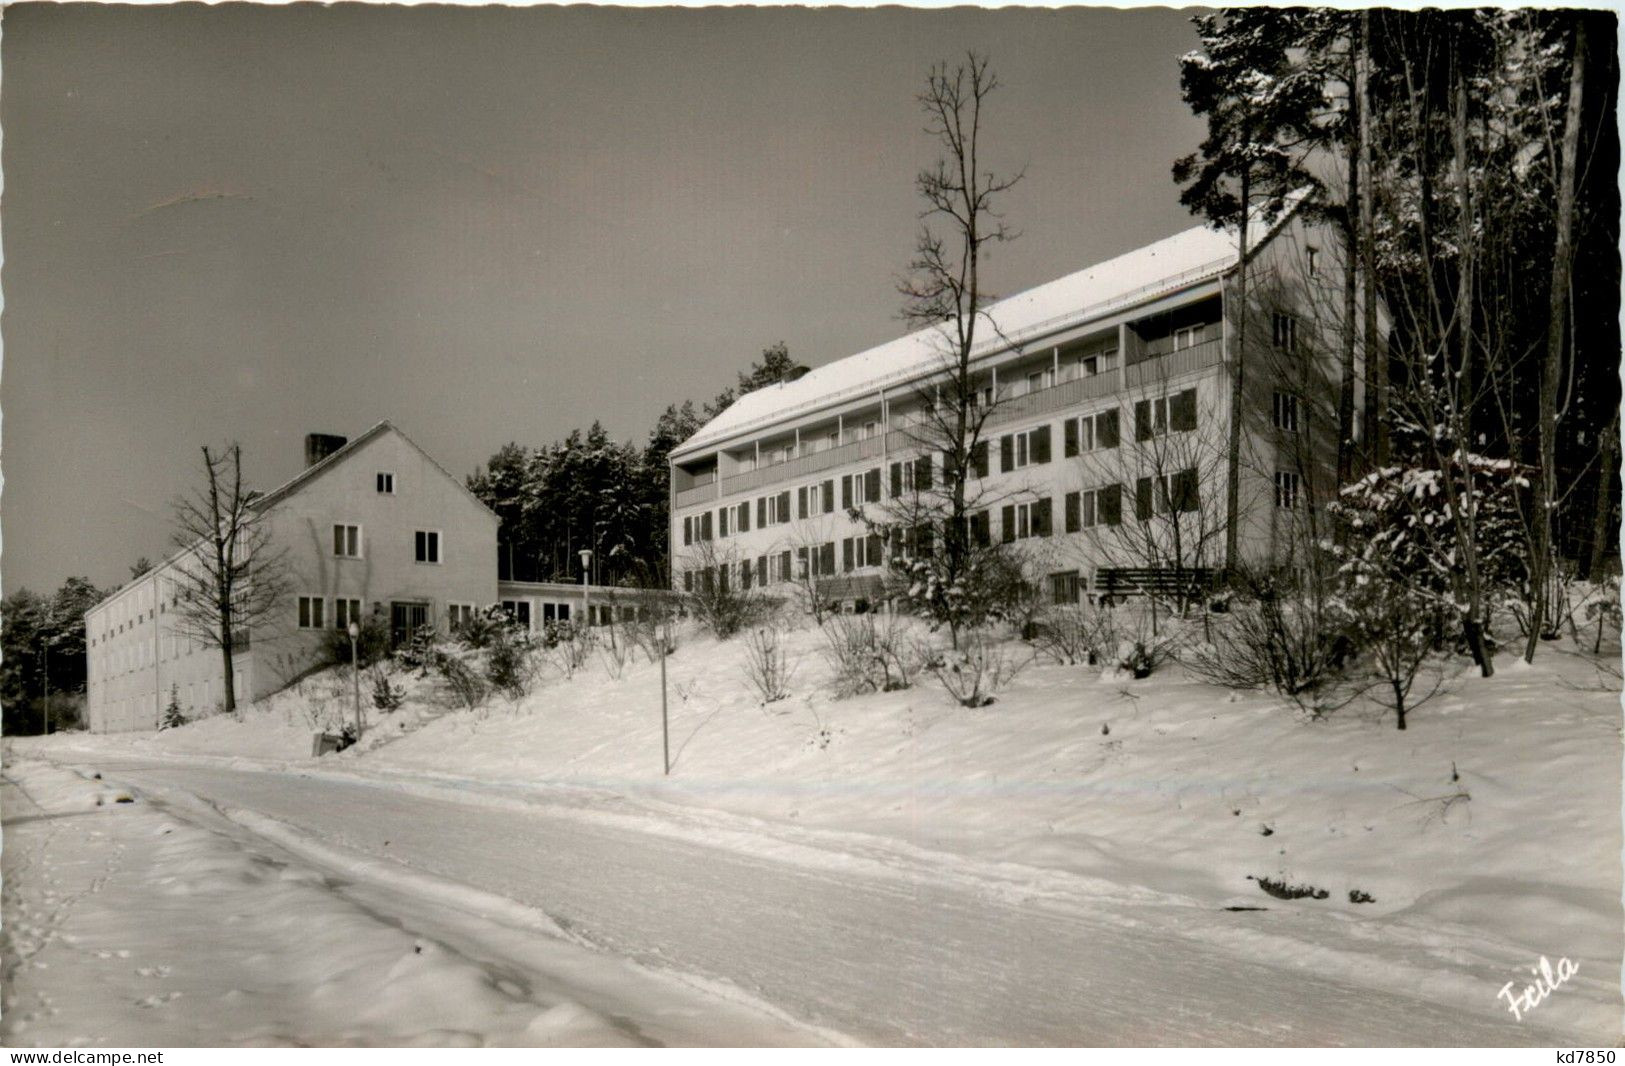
328,462
293,485
1198,254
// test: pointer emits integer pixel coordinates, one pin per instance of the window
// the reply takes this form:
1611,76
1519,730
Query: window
1286,411
1284,329
870,429
1311,256
518,611
345,612
1286,490
347,542
859,489
386,483
1064,587
1189,336
461,614
1023,520
688,581
1039,380
428,546
310,612
1023,449
1156,416
1164,494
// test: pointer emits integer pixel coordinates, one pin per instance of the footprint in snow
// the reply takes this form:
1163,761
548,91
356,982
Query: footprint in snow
153,971
163,999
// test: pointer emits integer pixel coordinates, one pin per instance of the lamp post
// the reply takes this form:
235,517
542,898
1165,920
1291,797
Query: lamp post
586,586
355,676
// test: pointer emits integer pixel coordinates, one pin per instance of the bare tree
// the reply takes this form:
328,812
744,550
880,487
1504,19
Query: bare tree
229,577
1540,561
944,293
1167,516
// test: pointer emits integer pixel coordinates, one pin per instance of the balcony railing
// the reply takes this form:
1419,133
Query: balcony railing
904,442
698,494
1184,361
801,464
1054,398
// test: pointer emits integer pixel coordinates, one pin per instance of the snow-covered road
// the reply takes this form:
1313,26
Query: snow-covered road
899,958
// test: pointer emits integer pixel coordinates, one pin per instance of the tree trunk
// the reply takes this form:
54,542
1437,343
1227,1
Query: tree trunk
1551,371
1232,487
1351,244
1602,504
1376,364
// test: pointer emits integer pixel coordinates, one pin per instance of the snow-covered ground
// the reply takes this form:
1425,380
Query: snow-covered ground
1487,834
127,923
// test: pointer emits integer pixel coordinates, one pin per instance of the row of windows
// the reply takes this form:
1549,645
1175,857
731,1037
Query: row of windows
347,543
1153,417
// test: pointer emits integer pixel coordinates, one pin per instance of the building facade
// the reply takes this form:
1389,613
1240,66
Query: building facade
372,526
1106,449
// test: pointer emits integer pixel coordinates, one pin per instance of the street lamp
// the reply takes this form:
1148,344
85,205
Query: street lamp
355,675
586,587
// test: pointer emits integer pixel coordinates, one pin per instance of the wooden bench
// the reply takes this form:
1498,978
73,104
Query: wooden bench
1118,582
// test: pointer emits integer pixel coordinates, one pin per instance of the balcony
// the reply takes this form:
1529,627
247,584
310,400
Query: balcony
797,467
703,493
902,442
1055,398
1172,364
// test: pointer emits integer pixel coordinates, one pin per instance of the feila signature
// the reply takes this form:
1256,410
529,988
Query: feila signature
1546,982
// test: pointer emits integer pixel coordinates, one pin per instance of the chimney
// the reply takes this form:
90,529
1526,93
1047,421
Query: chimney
319,446
794,372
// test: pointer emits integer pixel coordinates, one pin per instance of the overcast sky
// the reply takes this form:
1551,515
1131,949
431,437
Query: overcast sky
490,224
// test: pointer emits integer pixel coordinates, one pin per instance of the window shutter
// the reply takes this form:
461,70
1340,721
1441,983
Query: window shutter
761,512
688,531
1008,523
1007,453
1043,517
1069,438
896,480
871,485
722,521
784,565
801,502
1073,509
1185,496
1040,445
1182,410
1107,430
847,562
1142,420
829,497
784,506
744,517
827,557
922,473
979,458
873,553
1142,499
846,492
1109,504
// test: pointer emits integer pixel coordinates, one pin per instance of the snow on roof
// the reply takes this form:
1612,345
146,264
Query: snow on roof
1197,254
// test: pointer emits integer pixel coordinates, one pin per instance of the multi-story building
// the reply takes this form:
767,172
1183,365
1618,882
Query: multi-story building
369,526
1105,452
